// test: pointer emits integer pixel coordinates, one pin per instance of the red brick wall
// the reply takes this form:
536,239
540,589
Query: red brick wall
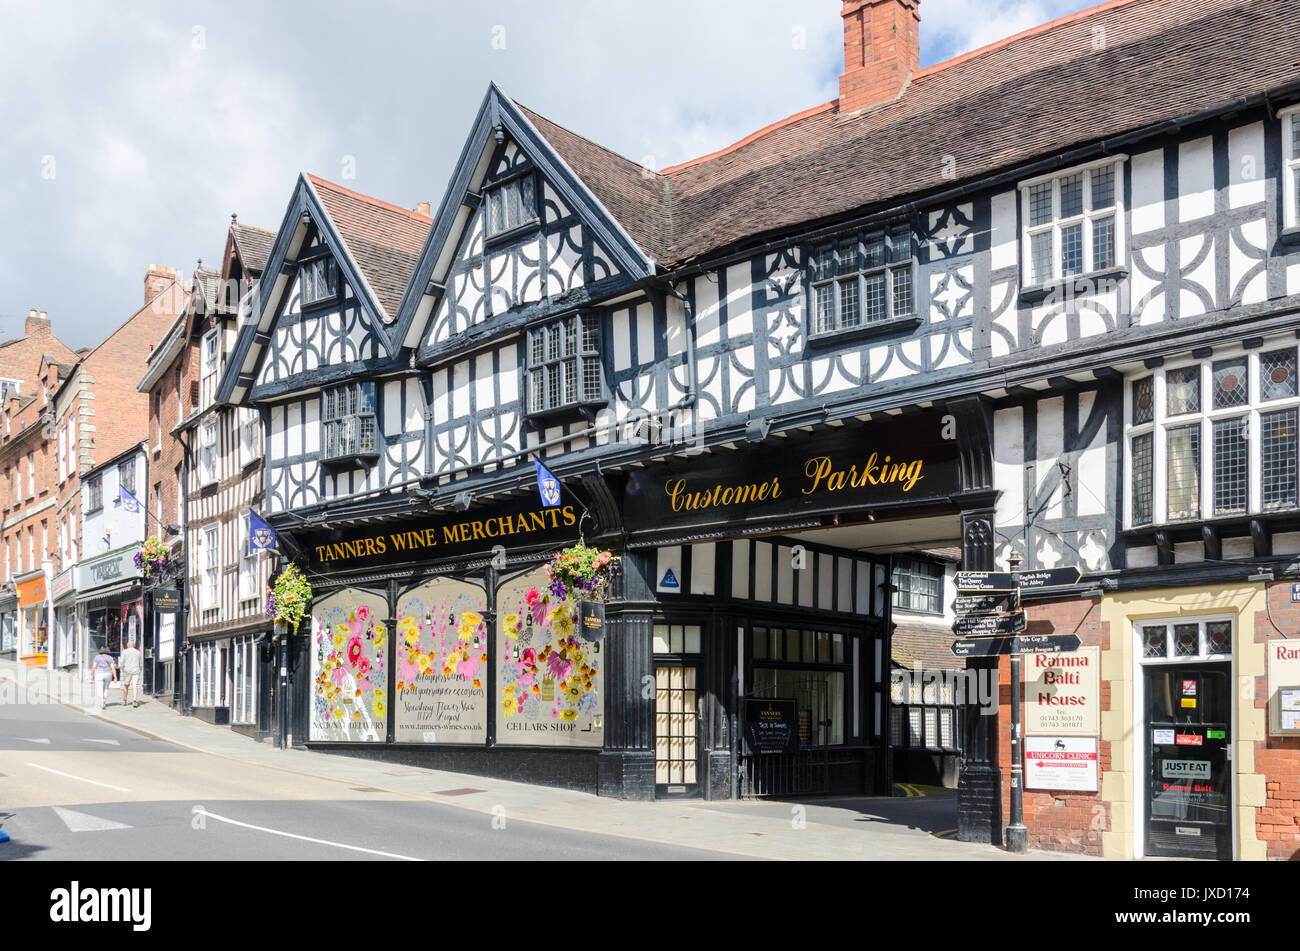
120,411
1277,824
1059,821
21,358
164,462
881,51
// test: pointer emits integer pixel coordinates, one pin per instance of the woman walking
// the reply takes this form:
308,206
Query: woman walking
105,671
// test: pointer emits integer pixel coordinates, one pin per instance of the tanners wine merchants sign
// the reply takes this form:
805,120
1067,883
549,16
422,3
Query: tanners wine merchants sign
452,534
880,464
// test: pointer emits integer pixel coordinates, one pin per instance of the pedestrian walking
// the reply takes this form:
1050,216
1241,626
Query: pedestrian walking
132,667
105,671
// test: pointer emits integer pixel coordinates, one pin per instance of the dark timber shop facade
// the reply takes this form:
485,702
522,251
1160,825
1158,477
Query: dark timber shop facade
734,589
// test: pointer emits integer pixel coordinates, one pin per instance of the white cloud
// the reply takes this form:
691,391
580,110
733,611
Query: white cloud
163,118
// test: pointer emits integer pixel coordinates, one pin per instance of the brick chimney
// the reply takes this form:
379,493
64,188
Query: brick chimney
882,49
423,208
37,325
156,280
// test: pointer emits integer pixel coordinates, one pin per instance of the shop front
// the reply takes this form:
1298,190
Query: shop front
1172,715
33,618
110,602
753,589
8,622
67,633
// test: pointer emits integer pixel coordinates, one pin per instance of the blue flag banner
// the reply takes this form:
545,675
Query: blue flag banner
129,502
261,536
548,487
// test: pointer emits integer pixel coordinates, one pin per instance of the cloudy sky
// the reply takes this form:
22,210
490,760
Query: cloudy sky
133,130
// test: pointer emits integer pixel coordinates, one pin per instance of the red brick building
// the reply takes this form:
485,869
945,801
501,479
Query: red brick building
174,383
66,414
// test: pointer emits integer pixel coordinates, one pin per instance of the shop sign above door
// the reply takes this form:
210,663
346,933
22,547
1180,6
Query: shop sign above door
109,568
447,535
883,464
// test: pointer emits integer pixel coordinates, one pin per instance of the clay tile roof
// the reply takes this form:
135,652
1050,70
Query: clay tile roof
384,239
208,283
254,246
930,645
1117,67
635,196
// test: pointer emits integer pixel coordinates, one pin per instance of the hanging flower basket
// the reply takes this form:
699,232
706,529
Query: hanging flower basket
580,572
289,598
152,557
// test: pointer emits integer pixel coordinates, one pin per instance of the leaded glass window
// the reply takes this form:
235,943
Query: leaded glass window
1277,374
348,424
319,281
1231,456
1183,391
1184,472
564,363
1277,449
512,204
862,278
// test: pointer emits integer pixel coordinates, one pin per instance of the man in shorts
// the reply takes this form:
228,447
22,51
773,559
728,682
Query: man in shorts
131,665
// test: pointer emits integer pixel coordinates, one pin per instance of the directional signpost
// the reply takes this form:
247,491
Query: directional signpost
982,582
978,604
990,616
1007,646
999,626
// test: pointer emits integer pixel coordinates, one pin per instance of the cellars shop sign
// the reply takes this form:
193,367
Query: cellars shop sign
899,461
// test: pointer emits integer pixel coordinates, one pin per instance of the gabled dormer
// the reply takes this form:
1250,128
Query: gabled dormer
519,236
329,296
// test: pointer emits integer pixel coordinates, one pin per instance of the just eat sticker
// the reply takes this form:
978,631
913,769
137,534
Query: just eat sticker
1189,702
1189,688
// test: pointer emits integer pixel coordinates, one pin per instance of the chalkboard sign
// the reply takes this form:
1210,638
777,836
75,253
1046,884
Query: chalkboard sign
770,725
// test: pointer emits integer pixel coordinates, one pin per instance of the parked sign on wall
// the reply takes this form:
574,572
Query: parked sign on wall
1283,694
1066,763
1062,693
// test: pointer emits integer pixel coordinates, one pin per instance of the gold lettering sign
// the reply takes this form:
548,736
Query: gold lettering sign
820,475
483,530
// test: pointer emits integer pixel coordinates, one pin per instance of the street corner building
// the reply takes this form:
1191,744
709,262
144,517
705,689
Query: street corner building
1039,300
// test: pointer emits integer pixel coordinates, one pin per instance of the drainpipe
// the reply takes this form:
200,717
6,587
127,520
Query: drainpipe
179,694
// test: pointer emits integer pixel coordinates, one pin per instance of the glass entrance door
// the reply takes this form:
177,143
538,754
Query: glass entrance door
676,731
1188,769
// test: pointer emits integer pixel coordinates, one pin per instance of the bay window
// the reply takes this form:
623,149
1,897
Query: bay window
564,364
1214,438
348,426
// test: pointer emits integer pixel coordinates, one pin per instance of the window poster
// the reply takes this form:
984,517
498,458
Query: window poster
441,657
550,676
349,644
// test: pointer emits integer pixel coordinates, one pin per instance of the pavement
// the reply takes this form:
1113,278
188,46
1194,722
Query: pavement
350,792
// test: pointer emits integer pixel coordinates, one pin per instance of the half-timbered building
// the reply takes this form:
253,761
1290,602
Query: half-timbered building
227,674
1038,299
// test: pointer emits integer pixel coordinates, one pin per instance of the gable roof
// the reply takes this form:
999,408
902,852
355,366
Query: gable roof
253,244
1039,93
375,244
385,239
567,173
